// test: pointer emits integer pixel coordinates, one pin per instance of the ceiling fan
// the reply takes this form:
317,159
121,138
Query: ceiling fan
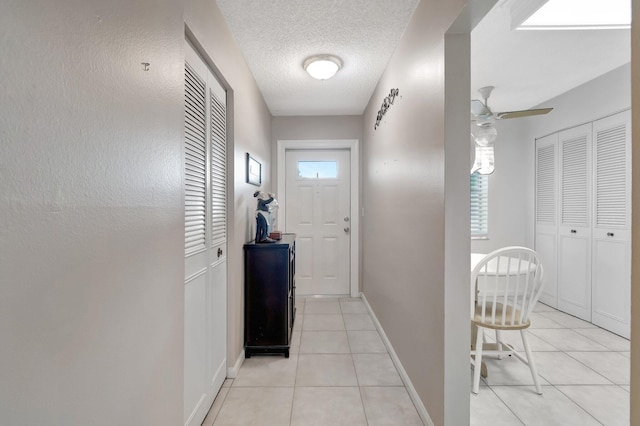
482,114
483,132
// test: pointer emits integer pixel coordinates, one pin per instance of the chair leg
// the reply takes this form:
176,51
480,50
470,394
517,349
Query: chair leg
478,361
499,343
530,361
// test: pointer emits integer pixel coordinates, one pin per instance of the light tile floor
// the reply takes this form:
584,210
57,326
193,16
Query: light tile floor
584,375
338,373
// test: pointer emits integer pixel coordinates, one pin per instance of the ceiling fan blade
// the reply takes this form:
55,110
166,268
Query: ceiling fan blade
523,113
479,109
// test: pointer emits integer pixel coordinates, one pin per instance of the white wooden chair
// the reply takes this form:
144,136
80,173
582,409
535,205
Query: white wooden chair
505,286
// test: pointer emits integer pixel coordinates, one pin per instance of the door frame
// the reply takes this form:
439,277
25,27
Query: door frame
352,145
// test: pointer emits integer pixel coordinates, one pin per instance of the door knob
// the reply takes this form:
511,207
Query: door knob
346,218
347,229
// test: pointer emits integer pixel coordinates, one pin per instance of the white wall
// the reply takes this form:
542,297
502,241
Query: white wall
251,132
511,186
508,188
91,201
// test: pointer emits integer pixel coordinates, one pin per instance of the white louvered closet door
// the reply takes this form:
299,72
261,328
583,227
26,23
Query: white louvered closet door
546,214
574,231
611,260
205,181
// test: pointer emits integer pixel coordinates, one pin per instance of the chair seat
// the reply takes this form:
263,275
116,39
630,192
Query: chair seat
497,324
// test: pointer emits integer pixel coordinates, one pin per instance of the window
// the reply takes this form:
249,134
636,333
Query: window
318,169
479,206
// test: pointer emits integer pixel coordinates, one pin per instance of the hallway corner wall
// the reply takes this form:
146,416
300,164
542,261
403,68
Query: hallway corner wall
92,228
635,219
404,203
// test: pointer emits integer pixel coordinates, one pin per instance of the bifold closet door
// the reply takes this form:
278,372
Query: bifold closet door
205,286
574,230
611,260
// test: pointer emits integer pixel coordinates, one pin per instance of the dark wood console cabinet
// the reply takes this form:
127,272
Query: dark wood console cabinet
269,289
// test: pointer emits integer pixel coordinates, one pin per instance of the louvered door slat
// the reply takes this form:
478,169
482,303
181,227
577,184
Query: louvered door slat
575,185
195,161
218,170
610,177
546,185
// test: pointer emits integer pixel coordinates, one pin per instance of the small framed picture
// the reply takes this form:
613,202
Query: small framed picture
254,171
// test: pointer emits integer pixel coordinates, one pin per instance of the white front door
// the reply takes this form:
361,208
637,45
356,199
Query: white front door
205,287
318,193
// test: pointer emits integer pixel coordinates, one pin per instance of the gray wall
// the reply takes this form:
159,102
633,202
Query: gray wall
317,127
250,132
635,222
92,229
312,128
404,205
512,186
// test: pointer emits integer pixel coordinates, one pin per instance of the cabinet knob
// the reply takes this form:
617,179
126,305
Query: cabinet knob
347,229
219,252
609,234
573,231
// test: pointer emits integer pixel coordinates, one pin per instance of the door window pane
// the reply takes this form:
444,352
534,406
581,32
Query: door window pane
318,169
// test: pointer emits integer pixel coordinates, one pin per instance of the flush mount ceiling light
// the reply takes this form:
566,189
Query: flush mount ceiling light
570,14
322,67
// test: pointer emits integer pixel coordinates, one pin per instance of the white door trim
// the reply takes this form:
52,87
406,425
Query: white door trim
353,146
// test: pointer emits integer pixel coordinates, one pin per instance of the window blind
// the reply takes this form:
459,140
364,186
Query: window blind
479,205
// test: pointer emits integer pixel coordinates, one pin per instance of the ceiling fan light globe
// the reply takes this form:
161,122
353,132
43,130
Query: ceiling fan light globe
484,163
485,120
484,135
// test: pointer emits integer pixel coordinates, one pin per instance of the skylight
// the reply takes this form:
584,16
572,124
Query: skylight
579,15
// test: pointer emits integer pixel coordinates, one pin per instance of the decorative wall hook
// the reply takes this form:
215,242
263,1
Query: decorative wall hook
145,65
388,101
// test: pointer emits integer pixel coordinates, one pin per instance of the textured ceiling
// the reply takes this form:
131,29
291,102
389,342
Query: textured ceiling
276,36
526,67
531,67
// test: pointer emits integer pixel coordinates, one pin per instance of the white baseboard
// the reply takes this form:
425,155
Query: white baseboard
413,394
232,372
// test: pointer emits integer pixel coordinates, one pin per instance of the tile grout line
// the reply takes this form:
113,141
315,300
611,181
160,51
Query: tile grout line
505,404
576,402
355,371
568,354
295,380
